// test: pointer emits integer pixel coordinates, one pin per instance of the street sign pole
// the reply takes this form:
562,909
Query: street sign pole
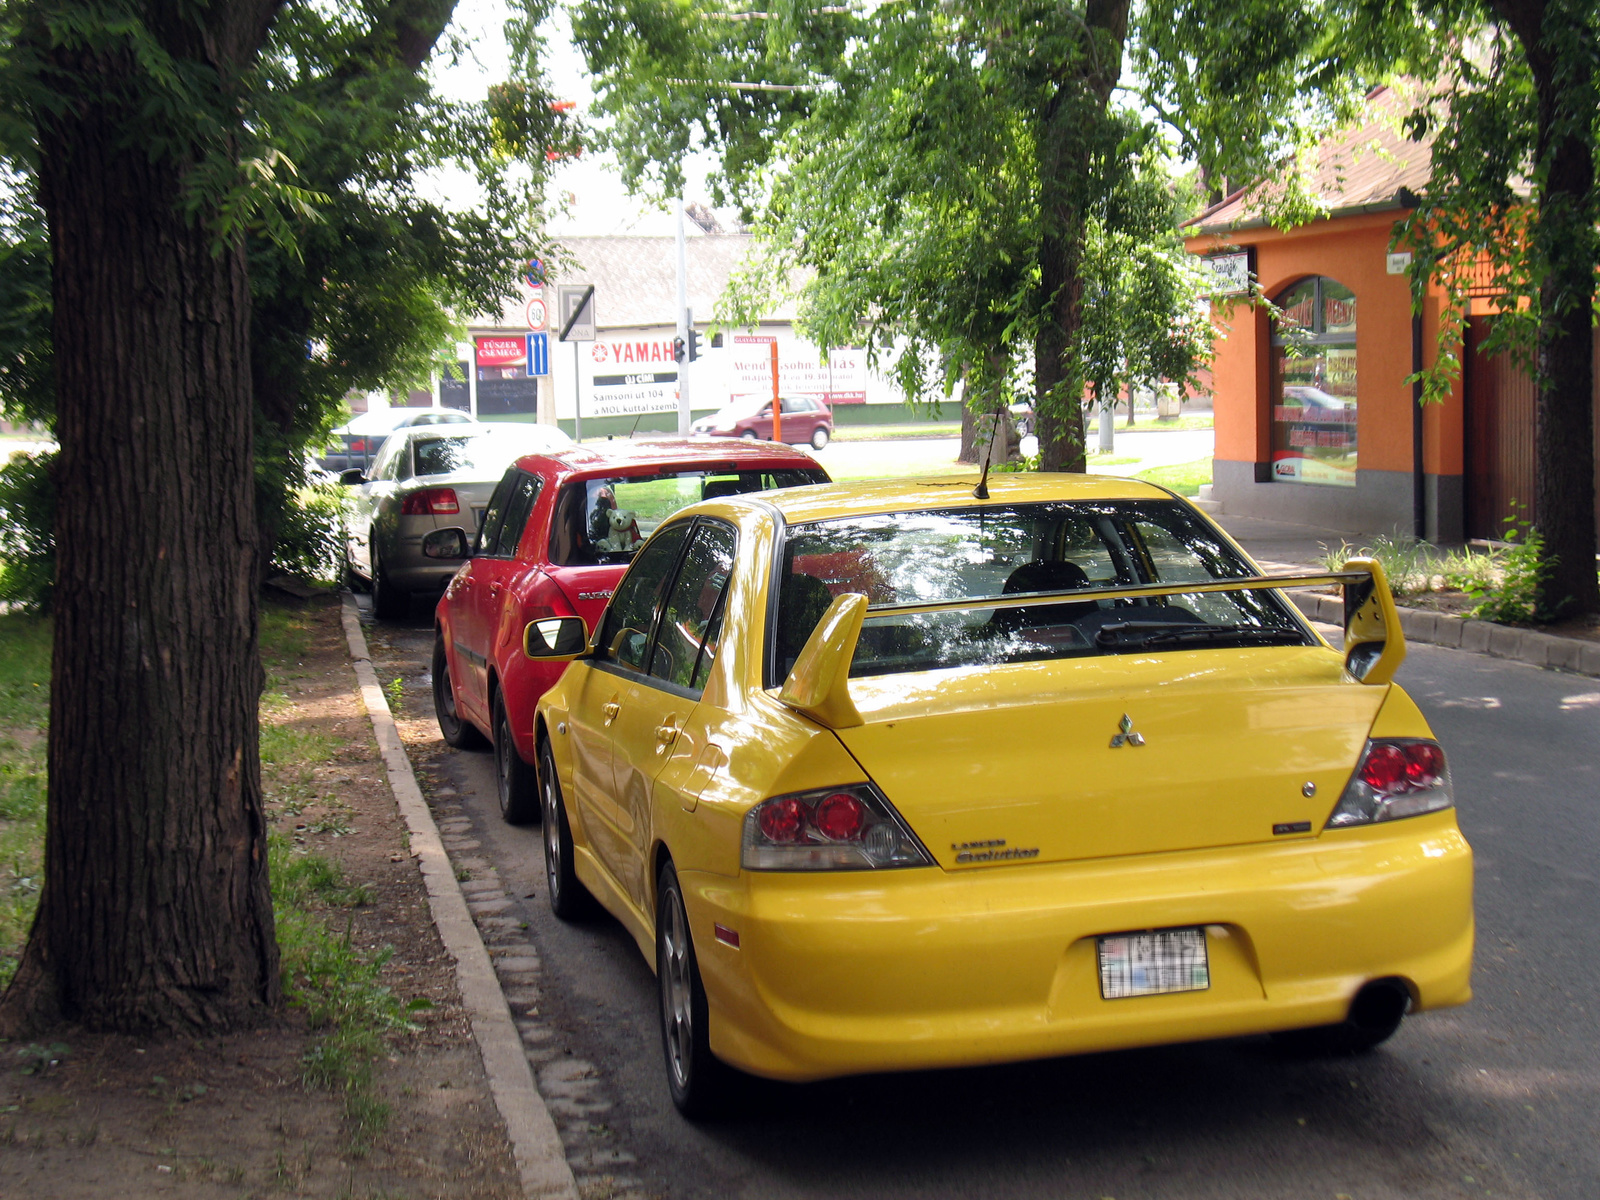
578,400
683,331
777,415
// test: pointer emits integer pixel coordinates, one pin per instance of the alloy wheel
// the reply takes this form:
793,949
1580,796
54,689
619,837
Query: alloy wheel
552,831
677,997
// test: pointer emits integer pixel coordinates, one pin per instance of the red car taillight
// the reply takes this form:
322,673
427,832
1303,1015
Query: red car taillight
1398,777
438,502
835,829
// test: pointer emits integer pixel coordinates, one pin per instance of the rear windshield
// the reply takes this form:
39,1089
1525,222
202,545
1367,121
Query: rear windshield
605,520
985,553
487,454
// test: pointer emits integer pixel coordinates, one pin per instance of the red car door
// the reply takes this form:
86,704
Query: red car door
476,594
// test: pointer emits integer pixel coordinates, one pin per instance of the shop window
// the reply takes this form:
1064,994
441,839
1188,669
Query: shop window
1314,384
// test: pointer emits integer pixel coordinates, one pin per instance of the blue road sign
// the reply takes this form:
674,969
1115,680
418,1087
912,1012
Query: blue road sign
533,273
538,354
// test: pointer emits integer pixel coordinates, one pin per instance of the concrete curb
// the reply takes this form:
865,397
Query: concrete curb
1464,633
541,1159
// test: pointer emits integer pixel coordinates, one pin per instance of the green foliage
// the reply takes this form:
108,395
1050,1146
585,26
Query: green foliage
27,531
310,543
313,158
1405,560
1517,597
951,184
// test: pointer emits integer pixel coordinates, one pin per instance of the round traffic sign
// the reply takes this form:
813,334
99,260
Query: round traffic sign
537,314
534,275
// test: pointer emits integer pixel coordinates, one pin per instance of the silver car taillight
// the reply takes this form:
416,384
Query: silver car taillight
1398,777
831,829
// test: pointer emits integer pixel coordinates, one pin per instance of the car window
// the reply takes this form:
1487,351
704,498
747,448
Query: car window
625,635
525,490
686,641
606,519
999,550
494,515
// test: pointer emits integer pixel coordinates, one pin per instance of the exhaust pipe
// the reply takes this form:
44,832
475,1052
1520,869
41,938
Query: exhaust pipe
1378,1008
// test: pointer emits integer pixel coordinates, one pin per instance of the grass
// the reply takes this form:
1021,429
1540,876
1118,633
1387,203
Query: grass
880,433
324,973
1183,478
24,708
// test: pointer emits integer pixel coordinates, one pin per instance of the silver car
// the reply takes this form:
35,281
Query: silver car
424,479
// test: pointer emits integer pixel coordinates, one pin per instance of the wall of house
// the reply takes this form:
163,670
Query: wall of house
1353,251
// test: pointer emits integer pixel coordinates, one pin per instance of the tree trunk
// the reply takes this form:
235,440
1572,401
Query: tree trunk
1560,48
1067,138
155,910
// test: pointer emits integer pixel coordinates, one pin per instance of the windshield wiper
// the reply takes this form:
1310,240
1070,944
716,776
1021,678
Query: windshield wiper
1126,635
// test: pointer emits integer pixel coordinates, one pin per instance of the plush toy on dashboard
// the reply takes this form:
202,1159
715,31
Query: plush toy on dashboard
624,530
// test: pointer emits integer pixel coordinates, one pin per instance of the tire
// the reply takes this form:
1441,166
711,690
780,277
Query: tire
518,783
1375,1015
819,437
569,899
457,730
699,1082
749,435
388,602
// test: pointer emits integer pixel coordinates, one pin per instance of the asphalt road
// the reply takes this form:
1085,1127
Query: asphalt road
1500,1098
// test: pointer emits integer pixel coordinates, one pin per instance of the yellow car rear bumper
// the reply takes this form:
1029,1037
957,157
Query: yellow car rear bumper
847,972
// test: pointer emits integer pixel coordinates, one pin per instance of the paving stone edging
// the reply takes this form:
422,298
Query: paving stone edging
1464,633
541,1159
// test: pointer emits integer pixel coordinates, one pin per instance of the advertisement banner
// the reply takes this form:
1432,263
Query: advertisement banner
801,371
632,376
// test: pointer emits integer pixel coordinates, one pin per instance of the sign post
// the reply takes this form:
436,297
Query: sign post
777,405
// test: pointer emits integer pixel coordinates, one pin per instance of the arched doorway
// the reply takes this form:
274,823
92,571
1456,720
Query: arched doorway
1313,387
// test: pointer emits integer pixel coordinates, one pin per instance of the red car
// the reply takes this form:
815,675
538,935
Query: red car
555,538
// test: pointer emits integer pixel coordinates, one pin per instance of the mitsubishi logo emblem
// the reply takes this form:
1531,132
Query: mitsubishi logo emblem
1127,737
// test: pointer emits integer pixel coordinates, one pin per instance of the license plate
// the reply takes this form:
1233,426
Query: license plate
477,514
1153,963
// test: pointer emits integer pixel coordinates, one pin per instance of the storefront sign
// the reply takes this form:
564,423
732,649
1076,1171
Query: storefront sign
1232,271
502,352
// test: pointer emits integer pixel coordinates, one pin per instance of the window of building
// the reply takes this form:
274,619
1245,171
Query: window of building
1314,384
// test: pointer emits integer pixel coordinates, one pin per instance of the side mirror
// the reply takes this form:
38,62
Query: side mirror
447,544
1374,647
555,638
819,685
351,476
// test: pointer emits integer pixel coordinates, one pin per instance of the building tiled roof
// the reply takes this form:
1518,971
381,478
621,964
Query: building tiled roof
1368,168
635,278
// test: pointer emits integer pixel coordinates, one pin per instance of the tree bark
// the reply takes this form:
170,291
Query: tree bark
155,910
1560,48
1066,141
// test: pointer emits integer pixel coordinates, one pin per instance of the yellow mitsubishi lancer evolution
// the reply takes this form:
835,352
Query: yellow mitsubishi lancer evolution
916,774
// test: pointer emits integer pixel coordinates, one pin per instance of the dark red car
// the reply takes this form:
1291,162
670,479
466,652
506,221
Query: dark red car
556,537
805,419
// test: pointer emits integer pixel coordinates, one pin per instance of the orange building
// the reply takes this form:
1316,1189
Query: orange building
1315,422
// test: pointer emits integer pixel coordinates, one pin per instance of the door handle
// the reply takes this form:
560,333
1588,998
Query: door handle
611,711
665,734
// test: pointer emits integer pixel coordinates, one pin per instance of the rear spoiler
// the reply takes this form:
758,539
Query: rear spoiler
818,686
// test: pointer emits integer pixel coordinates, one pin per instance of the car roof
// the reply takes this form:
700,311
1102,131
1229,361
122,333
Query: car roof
820,501
683,454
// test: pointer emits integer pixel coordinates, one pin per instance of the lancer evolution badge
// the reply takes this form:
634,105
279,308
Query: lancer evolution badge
1127,737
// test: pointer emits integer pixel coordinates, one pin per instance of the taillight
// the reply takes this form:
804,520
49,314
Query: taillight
438,502
834,829
1397,778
